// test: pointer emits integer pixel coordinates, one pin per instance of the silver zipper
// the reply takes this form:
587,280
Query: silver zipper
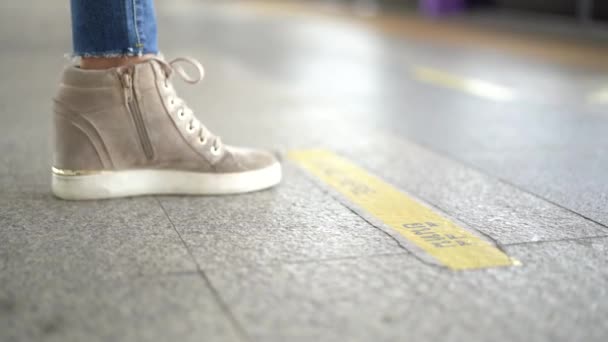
133,106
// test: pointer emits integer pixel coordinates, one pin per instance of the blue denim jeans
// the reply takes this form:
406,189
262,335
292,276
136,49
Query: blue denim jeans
113,28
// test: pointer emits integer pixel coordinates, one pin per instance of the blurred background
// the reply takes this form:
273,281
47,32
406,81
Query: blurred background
476,79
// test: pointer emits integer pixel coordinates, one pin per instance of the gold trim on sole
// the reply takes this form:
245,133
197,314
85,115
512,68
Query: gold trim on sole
66,172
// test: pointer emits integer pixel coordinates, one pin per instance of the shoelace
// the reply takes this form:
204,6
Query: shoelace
184,112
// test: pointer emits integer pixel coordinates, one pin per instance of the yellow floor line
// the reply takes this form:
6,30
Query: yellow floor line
470,86
451,245
461,34
599,97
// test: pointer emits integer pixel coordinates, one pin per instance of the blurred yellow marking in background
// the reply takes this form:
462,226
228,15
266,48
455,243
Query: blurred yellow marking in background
455,33
466,85
451,245
599,97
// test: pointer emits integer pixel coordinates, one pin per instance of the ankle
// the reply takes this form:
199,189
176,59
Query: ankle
100,63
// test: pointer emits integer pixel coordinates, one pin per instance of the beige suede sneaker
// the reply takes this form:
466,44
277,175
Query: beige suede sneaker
125,132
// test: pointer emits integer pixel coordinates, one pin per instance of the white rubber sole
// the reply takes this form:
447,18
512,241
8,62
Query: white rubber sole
127,183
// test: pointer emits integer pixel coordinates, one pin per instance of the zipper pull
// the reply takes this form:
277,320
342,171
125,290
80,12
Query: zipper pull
127,84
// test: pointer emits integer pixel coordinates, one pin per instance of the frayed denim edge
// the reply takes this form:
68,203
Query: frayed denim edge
130,52
75,57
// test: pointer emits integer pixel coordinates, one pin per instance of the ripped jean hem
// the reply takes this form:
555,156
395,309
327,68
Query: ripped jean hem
129,52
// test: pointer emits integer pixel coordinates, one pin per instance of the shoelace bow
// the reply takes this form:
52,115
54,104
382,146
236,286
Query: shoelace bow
184,112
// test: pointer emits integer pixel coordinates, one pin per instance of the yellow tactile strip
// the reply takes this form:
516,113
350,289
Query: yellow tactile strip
452,246
469,86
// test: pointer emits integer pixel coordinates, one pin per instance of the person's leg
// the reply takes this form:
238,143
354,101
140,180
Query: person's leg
122,130
110,33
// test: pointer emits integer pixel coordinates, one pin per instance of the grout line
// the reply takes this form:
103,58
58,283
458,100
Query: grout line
280,263
587,218
482,171
287,263
498,245
515,186
4,262
523,243
342,202
162,274
450,214
396,240
388,208
323,260
222,304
